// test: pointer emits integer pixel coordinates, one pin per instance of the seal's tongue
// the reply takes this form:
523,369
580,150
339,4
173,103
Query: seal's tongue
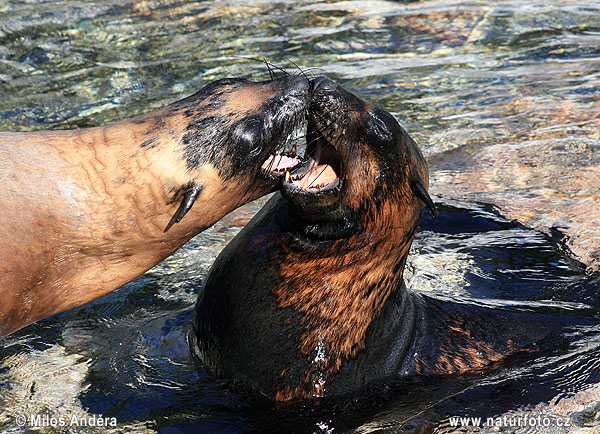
320,171
316,177
280,163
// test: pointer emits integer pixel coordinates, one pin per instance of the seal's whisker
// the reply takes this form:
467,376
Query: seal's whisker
292,134
298,67
322,135
317,177
314,70
268,68
325,132
326,144
270,165
285,73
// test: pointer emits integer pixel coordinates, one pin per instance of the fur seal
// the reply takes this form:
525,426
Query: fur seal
82,212
309,300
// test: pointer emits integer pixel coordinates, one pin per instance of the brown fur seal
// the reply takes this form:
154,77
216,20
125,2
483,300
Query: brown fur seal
309,300
83,212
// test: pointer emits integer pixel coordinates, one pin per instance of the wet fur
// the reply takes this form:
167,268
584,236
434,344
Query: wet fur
298,307
329,291
83,212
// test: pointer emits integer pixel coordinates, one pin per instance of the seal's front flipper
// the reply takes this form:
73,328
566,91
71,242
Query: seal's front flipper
472,335
189,198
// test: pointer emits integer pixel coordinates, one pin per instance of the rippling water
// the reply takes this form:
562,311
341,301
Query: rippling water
503,97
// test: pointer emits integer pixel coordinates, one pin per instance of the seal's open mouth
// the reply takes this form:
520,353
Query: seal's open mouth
317,172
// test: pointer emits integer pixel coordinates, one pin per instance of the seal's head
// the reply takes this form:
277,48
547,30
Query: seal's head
244,121
226,132
361,171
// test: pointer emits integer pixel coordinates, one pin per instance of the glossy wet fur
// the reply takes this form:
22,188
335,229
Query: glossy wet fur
309,301
238,118
321,266
83,212
232,125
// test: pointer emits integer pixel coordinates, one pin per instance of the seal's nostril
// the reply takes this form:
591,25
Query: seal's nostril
323,84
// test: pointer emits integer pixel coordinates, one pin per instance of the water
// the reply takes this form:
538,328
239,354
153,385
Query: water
503,98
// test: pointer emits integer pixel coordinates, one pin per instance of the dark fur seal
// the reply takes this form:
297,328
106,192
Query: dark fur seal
83,212
309,300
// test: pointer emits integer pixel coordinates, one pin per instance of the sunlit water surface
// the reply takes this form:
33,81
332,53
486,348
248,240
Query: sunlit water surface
503,98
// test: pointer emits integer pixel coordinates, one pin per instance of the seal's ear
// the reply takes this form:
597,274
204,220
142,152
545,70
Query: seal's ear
189,198
422,194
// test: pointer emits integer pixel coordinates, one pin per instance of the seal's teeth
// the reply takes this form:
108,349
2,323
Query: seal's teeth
287,176
305,184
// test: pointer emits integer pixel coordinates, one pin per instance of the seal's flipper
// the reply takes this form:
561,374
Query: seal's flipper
189,198
422,194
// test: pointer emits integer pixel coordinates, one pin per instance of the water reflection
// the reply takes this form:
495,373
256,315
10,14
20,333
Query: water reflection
502,96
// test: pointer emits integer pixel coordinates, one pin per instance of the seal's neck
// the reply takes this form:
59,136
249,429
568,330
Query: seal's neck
137,177
356,275
100,209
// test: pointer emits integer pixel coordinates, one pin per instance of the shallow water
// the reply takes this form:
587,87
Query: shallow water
503,98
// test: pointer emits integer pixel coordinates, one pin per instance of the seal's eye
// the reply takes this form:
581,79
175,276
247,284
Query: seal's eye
249,135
